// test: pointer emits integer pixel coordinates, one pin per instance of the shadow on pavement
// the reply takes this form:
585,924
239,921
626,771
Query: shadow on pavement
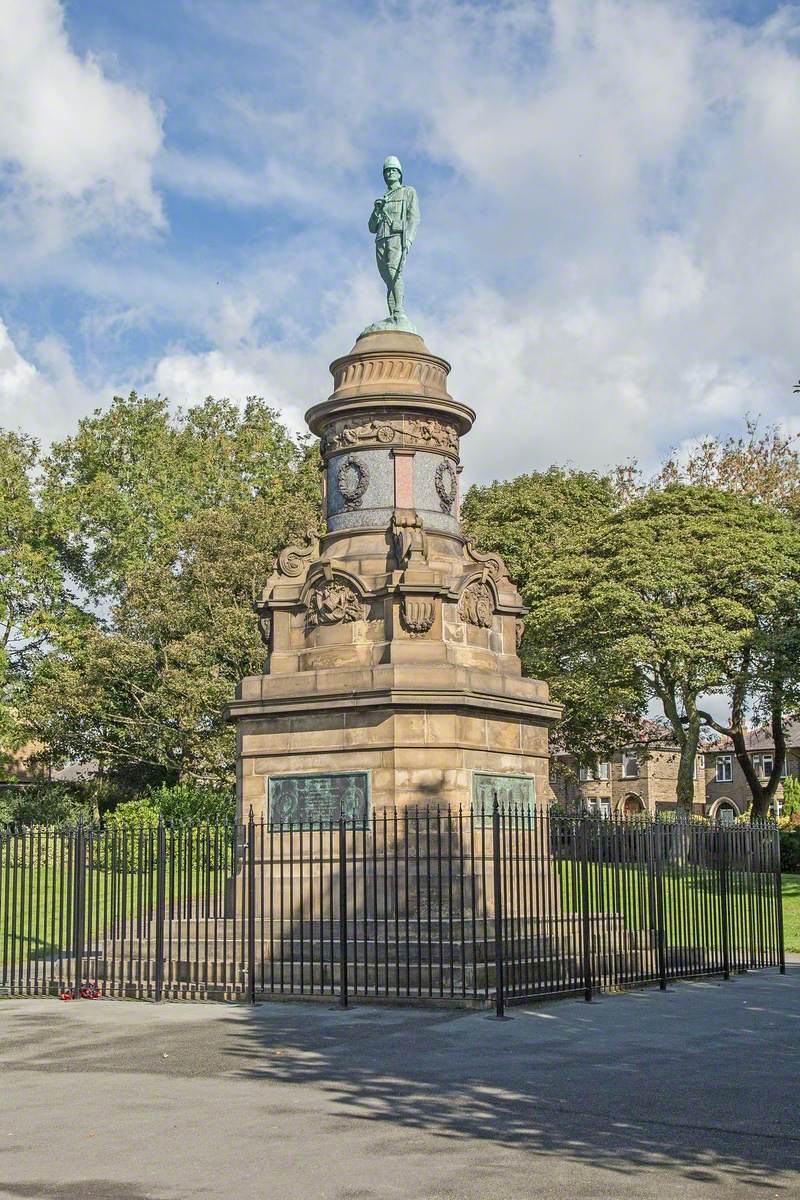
697,1080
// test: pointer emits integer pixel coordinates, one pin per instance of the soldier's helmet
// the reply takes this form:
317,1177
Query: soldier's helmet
391,161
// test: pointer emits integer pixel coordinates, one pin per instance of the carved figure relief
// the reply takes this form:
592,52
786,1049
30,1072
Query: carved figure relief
264,627
409,537
446,485
334,603
417,616
519,630
417,431
476,605
352,479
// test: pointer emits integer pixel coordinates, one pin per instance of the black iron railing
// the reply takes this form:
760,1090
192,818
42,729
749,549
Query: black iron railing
430,904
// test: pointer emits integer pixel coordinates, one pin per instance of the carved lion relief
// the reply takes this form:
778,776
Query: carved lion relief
476,605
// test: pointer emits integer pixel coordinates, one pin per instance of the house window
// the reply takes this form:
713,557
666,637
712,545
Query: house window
604,770
724,768
630,766
584,774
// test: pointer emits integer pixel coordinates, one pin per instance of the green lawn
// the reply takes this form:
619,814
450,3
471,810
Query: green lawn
791,912
691,902
36,907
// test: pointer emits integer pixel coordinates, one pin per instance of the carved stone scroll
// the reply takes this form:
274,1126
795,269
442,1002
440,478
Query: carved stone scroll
409,537
293,560
493,562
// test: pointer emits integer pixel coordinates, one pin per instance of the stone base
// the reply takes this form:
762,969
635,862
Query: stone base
421,732
396,324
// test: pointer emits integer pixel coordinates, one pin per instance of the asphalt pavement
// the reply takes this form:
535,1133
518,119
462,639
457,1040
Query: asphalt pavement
689,1093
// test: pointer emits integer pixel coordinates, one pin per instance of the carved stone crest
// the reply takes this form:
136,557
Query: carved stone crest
417,616
352,479
446,485
476,605
334,603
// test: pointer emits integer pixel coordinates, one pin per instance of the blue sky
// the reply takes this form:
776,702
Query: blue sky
609,251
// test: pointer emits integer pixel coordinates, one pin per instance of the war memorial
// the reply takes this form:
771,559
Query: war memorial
392,675
395,837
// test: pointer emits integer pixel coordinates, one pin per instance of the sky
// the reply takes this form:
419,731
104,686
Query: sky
609,252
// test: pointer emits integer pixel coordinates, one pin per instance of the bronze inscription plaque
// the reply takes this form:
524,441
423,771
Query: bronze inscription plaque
515,790
306,798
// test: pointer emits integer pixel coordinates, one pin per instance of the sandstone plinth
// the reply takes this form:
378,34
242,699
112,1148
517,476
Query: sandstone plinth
391,643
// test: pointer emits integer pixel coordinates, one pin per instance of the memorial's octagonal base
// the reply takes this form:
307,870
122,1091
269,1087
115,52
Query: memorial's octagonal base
392,674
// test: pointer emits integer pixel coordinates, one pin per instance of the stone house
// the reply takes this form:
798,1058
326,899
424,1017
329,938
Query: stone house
639,780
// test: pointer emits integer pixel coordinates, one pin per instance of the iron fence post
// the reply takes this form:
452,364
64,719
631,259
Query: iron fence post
660,913
776,846
251,908
586,931
161,891
78,907
723,900
499,946
343,910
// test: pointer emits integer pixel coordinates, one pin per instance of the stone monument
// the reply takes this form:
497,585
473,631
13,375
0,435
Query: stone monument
392,675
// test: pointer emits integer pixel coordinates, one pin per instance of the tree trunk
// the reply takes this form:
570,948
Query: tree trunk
685,788
762,795
687,735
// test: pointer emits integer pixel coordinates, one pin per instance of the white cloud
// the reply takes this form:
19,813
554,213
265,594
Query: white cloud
76,148
609,252
42,399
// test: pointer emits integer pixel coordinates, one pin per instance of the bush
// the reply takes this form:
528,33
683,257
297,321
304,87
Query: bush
790,849
44,804
790,811
188,803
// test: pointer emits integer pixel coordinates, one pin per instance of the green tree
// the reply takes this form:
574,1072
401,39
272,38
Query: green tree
31,580
540,523
764,677
169,523
675,585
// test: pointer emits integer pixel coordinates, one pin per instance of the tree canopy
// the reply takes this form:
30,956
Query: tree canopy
166,524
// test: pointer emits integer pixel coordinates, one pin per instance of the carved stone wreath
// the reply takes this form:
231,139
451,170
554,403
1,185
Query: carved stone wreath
446,485
334,603
352,479
476,605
